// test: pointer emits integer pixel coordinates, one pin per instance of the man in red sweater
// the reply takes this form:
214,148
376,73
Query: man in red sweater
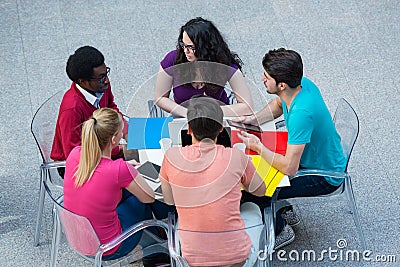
90,90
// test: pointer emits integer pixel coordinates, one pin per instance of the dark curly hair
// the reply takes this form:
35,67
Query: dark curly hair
209,43
80,64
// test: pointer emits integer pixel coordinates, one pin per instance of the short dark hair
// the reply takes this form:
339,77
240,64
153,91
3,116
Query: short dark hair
80,64
284,66
205,117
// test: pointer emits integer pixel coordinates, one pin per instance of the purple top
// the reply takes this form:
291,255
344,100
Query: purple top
183,92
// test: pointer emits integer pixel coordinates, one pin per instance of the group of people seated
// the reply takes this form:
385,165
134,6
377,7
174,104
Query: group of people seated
212,188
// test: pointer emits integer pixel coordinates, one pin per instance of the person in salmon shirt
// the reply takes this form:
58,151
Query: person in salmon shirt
204,181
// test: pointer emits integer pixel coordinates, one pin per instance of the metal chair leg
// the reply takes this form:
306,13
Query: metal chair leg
353,207
43,177
55,239
269,218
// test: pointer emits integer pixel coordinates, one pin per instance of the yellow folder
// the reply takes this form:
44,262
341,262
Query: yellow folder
269,174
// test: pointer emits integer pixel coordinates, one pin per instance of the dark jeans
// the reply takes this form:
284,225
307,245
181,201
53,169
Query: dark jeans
160,210
130,211
305,186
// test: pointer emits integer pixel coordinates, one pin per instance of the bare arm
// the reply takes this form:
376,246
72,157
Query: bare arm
243,96
140,189
251,181
163,88
288,164
271,111
167,192
257,186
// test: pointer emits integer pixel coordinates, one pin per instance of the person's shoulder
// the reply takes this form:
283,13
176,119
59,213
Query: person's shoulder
237,153
72,91
237,158
175,155
175,150
71,98
69,94
115,165
307,83
234,66
311,91
75,153
118,162
230,152
172,54
169,59
77,149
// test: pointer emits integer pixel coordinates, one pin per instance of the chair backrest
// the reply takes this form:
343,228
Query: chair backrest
155,111
347,125
43,124
78,230
231,96
207,244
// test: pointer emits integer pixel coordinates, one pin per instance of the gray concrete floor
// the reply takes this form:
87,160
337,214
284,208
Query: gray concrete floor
349,48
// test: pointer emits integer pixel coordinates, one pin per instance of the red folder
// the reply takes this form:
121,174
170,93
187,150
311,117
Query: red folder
274,141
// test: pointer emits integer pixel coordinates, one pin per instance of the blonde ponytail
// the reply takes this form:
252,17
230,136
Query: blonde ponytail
97,133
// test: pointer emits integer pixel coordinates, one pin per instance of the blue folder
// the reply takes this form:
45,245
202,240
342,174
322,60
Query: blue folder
145,133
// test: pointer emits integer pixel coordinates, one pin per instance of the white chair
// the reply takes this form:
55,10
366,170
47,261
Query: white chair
43,127
155,111
260,257
82,238
347,125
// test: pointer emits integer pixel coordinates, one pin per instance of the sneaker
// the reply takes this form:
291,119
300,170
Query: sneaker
285,237
290,217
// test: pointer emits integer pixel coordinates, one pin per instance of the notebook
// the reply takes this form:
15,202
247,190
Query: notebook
150,171
269,174
274,141
145,133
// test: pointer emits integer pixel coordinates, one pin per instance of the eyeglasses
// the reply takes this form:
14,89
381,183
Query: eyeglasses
183,46
103,78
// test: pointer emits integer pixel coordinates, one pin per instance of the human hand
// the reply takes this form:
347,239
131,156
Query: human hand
133,162
251,141
251,119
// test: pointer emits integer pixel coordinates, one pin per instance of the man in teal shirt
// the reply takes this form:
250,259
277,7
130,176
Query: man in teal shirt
309,122
313,142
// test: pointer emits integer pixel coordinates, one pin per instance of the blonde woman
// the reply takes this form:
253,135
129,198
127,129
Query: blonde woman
94,183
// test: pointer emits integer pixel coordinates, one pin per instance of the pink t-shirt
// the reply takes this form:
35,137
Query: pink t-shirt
205,180
98,198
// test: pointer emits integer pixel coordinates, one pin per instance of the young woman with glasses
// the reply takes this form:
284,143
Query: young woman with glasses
202,64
